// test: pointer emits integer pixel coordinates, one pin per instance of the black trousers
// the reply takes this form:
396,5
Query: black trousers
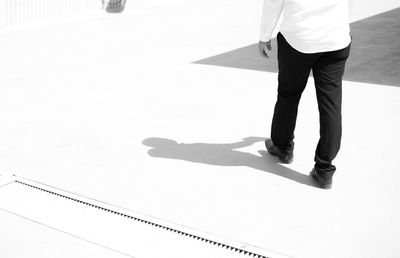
294,70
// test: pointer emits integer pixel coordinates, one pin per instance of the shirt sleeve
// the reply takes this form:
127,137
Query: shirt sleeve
271,12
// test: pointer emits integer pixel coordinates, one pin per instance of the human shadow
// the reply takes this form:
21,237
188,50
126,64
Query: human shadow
224,154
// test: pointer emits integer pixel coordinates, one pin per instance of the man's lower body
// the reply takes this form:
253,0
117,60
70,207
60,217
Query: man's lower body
294,70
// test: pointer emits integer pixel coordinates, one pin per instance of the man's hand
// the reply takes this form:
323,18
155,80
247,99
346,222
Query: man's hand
264,47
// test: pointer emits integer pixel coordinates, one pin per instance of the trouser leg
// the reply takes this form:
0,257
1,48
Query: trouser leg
294,70
328,73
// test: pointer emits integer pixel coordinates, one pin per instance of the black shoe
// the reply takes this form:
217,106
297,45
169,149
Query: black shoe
323,180
284,156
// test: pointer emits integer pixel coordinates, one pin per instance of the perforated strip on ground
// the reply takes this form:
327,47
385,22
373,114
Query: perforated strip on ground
148,222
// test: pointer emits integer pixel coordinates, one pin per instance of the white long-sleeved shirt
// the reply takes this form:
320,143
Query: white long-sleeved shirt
310,26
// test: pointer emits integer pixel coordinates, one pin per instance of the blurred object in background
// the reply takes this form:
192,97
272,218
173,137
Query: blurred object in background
114,6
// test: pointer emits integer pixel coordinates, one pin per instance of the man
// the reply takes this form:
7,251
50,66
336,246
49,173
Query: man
314,36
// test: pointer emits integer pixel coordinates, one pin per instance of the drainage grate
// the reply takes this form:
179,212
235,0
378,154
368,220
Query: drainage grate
230,246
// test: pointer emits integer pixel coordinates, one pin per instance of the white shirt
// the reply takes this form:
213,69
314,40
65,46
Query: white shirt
309,26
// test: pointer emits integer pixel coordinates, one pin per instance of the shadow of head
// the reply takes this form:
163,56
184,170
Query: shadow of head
157,142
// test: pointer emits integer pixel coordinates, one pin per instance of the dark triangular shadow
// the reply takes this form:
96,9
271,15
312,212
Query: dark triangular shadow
246,57
224,154
374,57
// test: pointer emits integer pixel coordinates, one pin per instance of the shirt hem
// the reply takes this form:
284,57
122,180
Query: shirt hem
322,46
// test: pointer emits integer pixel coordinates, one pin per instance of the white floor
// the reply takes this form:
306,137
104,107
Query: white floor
91,106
